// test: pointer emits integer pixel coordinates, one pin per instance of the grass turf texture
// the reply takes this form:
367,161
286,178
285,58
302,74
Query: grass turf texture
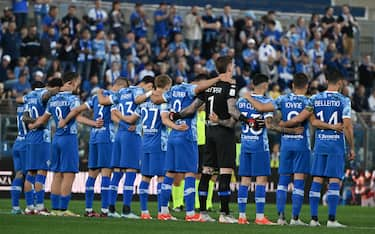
360,220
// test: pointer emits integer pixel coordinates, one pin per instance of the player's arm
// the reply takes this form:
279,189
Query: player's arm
114,116
20,100
170,124
130,119
232,110
348,132
104,100
47,95
273,126
325,126
261,107
73,114
143,97
89,122
188,110
205,84
301,117
26,118
42,120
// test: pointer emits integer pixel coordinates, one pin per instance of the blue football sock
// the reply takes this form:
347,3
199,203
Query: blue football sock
159,196
40,179
333,197
281,194
64,202
143,195
29,195
128,188
106,180
90,182
314,197
189,194
16,191
242,198
117,175
166,189
297,197
260,198
55,201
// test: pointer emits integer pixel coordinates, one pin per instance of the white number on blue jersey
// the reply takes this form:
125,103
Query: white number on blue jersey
247,127
332,120
291,115
100,113
154,112
177,105
58,113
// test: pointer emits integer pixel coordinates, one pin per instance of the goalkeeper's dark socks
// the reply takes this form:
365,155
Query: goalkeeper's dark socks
331,218
224,192
203,191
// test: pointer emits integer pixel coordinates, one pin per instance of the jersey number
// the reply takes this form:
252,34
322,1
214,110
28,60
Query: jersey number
177,105
211,102
58,113
128,108
247,127
332,120
151,112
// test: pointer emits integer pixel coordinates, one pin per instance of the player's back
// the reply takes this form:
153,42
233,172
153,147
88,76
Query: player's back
21,126
253,140
154,132
332,108
59,106
216,98
290,106
180,97
104,134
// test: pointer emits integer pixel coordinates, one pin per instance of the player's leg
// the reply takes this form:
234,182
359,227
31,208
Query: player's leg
66,189
166,190
17,183
131,153
334,171
260,167
56,192
89,193
242,199
29,192
144,185
244,171
301,164
105,190
285,169
317,171
43,157
116,175
189,197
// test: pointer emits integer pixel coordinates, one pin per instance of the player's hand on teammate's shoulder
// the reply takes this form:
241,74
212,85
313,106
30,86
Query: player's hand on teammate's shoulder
99,123
227,77
214,117
182,127
132,128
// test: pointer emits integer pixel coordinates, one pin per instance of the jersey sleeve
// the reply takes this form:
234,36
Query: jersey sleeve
90,103
232,92
310,104
74,103
268,114
164,107
48,108
138,92
167,96
191,90
347,110
202,96
114,97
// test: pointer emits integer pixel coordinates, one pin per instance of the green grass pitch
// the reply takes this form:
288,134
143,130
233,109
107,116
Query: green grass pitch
360,220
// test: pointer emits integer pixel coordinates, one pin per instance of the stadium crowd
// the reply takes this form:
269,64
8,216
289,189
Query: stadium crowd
102,50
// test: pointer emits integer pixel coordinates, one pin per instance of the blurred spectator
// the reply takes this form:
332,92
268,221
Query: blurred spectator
7,18
347,191
88,85
20,10
302,29
211,28
371,101
271,16
366,72
265,52
114,55
178,43
161,18
71,21
275,91
54,68
41,8
85,54
227,29
139,21
272,33
250,56
51,21
11,43
359,103
49,44
285,74
30,47
22,68
328,22
348,26
38,72
98,17
99,49
117,20
5,66
22,86
176,22
66,53
314,24
193,28
113,73
147,71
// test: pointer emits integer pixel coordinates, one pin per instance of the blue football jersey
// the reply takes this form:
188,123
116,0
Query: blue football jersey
290,106
107,132
178,98
21,126
36,108
59,106
125,103
155,134
254,140
332,108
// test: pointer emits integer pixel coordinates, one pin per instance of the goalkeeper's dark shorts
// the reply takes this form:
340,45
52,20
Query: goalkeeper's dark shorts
220,147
